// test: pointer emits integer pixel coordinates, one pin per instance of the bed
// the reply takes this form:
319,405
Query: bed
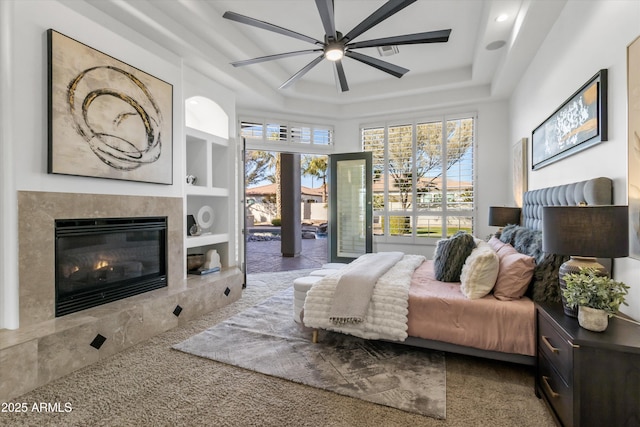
441,315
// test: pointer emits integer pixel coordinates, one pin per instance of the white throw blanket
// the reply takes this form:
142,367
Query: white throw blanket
386,316
356,283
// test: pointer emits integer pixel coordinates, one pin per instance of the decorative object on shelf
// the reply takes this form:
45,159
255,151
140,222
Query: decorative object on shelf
501,216
195,261
107,119
191,179
633,120
212,259
205,217
192,225
584,233
210,264
597,297
579,123
203,271
195,230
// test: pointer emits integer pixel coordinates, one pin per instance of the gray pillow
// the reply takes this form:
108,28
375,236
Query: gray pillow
544,285
450,256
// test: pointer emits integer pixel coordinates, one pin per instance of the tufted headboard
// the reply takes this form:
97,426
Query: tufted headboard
596,191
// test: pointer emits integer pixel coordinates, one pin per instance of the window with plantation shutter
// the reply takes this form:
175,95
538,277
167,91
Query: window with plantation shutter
322,136
422,177
276,132
301,134
272,132
251,130
374,140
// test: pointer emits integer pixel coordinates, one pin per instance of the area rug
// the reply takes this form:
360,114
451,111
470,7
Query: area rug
265,339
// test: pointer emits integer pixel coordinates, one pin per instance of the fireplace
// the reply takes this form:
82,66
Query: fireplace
103,260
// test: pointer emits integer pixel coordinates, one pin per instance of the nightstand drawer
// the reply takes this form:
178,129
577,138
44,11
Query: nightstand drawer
558,393
556,348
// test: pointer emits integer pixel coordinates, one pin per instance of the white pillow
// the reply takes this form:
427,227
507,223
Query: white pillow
479,272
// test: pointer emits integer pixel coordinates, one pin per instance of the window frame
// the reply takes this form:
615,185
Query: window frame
290,143
414,211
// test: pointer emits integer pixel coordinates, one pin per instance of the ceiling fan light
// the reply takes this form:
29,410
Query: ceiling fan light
334,52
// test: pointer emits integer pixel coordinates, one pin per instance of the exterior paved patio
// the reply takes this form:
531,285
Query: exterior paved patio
265,256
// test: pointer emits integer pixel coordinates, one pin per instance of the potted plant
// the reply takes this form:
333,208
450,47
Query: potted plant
597,297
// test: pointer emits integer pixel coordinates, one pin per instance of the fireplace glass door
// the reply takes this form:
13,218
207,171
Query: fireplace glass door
103,260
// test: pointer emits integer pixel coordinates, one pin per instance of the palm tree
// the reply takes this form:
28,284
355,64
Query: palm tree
259,166
263,166
316,166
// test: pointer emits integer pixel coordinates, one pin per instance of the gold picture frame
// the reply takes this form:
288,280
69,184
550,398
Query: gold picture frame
633,135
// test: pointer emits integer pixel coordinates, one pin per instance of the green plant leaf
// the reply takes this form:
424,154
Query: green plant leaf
589,288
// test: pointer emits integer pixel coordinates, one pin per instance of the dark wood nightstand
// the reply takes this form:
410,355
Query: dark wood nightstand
588,378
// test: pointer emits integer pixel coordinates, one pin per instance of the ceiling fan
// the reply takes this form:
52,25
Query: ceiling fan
336,45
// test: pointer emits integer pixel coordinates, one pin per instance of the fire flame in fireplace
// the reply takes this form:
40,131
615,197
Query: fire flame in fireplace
101,264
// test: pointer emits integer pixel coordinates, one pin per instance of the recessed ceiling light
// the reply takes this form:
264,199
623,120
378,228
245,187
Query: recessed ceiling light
495,45
502,17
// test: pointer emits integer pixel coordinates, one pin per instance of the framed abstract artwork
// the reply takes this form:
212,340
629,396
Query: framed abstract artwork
633,110
579,123
107,119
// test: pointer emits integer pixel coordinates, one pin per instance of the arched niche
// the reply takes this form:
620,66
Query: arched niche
205,115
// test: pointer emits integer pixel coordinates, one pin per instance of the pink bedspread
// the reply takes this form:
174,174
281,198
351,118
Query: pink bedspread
439,311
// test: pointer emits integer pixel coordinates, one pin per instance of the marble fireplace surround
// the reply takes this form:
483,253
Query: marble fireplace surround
36,236
44,347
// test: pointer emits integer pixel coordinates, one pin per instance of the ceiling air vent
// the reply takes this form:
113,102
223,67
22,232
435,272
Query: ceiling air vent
387,50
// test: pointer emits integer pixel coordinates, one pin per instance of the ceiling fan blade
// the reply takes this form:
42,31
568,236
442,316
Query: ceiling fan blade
325,8
302,72
385,11
272,57
269,27
341,78
440,36
385,66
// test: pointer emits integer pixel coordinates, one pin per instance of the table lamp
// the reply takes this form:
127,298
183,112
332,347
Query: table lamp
584,233
499,216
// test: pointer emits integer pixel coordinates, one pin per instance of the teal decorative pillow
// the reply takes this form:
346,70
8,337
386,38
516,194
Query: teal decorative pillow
450,256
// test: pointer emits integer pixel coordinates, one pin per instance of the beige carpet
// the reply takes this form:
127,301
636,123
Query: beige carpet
151,384
264,338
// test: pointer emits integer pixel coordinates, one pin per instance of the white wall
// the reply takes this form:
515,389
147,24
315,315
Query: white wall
588,36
